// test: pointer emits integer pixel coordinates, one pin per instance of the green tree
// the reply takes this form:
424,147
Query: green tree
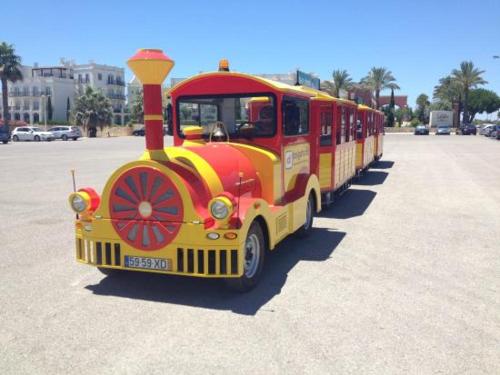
467,77
10,71
68,109
379,79
340,81
49,109
403,114
422,111
92,109
137,110
481,100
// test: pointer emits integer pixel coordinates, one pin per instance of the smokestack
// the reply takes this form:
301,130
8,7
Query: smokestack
151,67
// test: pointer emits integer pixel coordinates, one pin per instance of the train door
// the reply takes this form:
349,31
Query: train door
361,133
326,147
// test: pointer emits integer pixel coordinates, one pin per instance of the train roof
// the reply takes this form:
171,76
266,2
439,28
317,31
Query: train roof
274,85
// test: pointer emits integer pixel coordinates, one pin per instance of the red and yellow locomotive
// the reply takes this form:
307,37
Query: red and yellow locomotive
253,161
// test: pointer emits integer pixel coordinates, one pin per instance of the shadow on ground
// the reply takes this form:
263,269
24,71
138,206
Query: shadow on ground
383,164
369,178
353,202
211,293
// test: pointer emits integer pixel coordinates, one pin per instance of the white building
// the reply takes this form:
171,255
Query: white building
110,80
28,98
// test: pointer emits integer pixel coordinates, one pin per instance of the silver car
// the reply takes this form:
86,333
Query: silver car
66,132
443,130
31,133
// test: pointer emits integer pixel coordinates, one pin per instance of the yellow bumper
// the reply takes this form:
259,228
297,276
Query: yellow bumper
200,257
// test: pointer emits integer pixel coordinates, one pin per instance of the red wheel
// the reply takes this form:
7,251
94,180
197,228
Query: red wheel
146,208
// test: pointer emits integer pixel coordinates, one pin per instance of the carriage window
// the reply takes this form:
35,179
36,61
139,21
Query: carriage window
295,116
326,128
347,125
352,124
343,118
244,116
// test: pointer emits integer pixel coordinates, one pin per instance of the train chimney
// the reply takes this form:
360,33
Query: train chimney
151,67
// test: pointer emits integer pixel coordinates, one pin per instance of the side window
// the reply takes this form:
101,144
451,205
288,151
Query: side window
326,119
343,125
352,124
295,116
347,125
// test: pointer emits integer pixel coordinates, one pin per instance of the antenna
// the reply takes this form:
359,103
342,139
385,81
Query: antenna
73,178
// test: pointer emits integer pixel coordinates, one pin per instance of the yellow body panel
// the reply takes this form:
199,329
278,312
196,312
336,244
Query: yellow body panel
325,170
345,163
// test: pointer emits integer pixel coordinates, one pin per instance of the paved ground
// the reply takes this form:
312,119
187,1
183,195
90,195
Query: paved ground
402,276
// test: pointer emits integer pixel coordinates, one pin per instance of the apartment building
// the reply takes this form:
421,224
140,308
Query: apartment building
28,99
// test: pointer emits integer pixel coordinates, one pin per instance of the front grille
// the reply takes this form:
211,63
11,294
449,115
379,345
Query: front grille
98,253
207,262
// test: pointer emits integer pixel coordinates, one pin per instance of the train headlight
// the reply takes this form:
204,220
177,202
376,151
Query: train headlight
221,207
84,200
79,202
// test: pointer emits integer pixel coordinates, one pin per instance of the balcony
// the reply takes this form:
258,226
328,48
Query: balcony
116,96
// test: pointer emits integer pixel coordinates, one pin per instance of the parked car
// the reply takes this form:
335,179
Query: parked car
495,132
421,130
443,130
142,131
468,129
139,132
66,132
4,134
489,130
31,133
486,129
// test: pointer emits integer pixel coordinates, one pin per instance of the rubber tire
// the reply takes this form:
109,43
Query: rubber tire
15,138
244,284
37,138
5,142
64,137
305,229
107,271
75,138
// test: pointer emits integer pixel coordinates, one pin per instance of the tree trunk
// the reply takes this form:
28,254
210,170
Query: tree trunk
466,105
5,103
377,96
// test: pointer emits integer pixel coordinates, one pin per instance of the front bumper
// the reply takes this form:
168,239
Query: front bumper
207,258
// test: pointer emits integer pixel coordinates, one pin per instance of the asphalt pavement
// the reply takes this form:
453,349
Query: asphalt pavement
401,276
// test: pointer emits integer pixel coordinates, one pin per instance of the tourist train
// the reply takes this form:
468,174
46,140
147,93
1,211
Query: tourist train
252,162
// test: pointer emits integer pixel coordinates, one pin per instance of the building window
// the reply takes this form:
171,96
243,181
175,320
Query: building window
295,116
87,78
99,76
36,105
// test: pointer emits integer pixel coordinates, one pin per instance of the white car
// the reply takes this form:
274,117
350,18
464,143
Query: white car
31,133
66,132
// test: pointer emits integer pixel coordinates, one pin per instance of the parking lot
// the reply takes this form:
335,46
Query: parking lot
401,276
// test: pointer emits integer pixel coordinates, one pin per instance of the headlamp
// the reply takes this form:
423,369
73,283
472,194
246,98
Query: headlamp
79,202
221,207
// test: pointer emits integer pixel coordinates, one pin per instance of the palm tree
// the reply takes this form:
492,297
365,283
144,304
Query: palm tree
340,81
379,79
92,109
467,77
10,70
446,92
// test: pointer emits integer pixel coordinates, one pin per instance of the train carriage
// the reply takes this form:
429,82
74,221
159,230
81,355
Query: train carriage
252,162
369,142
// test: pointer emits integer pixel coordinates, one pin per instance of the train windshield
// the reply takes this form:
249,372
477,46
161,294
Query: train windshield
240,116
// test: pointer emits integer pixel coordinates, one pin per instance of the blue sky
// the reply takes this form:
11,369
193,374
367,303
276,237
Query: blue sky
419,41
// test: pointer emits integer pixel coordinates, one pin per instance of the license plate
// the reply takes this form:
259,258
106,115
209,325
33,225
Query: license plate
147,263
